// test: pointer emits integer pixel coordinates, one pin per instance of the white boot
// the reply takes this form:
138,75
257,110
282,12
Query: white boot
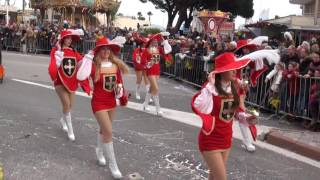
146,102
63,125
246,139
99,151
138,97
69,125
109,151
148,90
157,104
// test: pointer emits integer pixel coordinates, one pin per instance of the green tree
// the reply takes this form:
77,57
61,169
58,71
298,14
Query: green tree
184,9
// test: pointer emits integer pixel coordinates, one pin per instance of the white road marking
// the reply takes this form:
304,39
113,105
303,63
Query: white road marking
24,55
194,120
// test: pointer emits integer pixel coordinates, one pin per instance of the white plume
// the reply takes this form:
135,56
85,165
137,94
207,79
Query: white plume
120,40
272,56
287,35
165,33
78,32
259,40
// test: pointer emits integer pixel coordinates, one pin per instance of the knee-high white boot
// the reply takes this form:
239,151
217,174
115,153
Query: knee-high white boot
138,97
147,87
109,152
157,104
146,102
67,117
245,138
99,151
63,124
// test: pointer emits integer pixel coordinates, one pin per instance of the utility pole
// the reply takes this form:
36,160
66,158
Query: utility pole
23,5
7,14
217,6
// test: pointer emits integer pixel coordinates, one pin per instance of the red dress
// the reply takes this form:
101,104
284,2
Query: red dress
221,136
104,96
138,62
217,120
66,73
152,59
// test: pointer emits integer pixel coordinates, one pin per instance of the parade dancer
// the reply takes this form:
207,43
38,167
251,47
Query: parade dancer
63,69
105,70
257,68
152,55
139,64
216,104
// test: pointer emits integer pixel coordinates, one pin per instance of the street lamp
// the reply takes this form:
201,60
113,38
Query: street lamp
7,14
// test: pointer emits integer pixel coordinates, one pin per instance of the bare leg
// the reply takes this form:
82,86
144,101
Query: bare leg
215,162
66,99
104,119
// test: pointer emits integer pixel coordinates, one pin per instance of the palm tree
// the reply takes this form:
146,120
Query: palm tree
139,15
150,14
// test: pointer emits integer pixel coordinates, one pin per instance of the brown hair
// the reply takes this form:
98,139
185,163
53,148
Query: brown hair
222,92
114,59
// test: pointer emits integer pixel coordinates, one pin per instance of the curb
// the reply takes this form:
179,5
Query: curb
277,139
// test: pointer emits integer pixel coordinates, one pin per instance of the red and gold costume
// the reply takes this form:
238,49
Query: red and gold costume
66,72
138,62
217,111
104,91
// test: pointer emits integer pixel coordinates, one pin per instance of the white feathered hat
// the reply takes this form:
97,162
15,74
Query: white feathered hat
287,35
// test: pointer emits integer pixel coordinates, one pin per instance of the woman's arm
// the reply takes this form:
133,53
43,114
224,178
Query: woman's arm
85,68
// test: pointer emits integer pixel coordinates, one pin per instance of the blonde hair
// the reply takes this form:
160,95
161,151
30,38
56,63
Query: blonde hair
114,59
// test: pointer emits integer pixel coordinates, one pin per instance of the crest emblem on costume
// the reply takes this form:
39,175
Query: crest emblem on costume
155,58
69,66
109,82
227,112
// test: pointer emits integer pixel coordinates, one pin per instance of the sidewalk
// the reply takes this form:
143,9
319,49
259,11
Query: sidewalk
303,142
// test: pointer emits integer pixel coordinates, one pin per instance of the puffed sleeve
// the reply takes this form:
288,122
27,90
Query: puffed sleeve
204,102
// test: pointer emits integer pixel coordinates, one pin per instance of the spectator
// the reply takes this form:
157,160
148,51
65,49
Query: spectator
305,60
314,65
314,102
291,75
290,56
315,48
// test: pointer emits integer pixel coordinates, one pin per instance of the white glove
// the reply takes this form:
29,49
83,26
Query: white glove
59,57
119,91
85,68
166,46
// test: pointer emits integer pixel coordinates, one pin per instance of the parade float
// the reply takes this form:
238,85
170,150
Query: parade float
212,22
76,11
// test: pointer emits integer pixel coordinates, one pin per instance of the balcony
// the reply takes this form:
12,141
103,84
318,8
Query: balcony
302,2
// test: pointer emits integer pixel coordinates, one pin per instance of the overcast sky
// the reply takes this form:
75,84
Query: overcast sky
132,7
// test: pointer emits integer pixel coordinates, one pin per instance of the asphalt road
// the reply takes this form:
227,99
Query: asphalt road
32,145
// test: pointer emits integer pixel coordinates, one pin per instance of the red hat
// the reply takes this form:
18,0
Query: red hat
158,37
228,62
244,43
101,42
139,38
66,33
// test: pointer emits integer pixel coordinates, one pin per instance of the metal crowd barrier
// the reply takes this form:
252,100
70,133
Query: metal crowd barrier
126,53
291,100
12,43
42,45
